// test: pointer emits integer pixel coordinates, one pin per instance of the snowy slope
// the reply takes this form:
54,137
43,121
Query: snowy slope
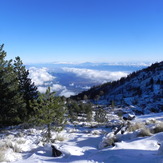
142,89
81,145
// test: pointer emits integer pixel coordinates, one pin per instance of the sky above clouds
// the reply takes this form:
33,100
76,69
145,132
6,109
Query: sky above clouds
82,30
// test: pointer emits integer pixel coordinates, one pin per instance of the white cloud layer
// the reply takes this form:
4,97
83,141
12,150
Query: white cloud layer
67,93
53,87
40,76
96,75
42,89
57,88
43,79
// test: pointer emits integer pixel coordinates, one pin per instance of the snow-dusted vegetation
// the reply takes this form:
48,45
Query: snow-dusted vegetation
141,91
83,142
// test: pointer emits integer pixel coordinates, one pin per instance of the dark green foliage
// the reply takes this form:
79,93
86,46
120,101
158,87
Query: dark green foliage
79,109
49,110
17,91
100,115
113,104
11,104
26,87
73,110
85,110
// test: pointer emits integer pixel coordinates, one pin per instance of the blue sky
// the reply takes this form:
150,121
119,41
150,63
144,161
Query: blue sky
82,30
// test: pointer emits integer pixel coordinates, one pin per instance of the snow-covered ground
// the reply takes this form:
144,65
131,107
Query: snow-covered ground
81,145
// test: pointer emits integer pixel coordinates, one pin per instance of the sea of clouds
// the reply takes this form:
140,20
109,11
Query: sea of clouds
96,75
43,78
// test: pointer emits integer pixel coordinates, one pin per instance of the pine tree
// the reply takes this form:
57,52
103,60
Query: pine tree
73,110
26,87
112,104
86,109
100,115
11,102
49,110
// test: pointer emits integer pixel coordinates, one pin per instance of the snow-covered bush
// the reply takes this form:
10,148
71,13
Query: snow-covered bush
11,142
113,123
108,140
150,121
72,130
144,132
12,145
8,155
126,136
60,137
135,126
140,127
2,155
158,128
98,132
20,141
20,134
10,137
9,149
16,148
31,131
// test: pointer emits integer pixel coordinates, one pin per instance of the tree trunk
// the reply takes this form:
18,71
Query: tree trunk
49,133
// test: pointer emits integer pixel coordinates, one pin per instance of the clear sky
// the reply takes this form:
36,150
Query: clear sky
82,30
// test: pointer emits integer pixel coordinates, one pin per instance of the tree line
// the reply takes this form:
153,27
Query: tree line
16,91
22,103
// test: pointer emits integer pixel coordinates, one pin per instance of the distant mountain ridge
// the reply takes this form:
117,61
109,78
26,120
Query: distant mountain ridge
88,64
142,89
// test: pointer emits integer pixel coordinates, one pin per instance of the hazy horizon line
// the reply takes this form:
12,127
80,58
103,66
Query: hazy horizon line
125,63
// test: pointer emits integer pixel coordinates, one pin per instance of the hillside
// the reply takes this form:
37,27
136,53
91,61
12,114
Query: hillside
143,90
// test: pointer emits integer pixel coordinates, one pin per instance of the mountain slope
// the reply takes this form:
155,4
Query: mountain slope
143,89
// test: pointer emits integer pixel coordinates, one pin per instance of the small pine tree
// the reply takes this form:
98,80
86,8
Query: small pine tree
85,97
49,110
100,115
88,111
73,110
112,104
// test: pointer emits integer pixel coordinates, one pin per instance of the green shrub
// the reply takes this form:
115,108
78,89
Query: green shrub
100,116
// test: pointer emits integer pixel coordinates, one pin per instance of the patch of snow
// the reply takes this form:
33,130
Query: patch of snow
160,150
